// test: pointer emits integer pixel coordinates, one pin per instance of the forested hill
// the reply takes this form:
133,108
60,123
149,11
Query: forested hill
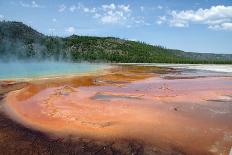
19,41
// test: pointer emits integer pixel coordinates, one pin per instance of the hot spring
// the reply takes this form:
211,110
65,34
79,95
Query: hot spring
187,107
28,70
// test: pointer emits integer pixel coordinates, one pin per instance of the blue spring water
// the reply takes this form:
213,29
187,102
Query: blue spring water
21,70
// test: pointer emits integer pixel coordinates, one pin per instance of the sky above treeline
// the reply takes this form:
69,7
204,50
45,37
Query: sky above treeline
190,25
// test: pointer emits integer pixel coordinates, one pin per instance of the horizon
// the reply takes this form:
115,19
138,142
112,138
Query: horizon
194,26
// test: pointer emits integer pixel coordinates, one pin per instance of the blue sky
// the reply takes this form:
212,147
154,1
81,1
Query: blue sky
190,25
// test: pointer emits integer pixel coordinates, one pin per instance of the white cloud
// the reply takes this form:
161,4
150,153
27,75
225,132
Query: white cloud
33,4
223,26
86,9
89,10
1,16
62,8
142,8
72,8
217,17
159,22
160,7
109,14
119,14
125,8
179,24
83,8
113,14
227,26
80,7
109,7
54,19
109,19
162,19
70,29
51,29
214,27
140,20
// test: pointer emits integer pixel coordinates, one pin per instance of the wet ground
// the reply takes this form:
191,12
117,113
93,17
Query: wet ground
128,110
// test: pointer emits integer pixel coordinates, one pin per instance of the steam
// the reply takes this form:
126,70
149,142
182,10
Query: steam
18,50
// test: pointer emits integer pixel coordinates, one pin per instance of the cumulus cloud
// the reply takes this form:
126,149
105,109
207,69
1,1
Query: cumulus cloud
110,19
119,14
223,26
109,7
62,8
125,8
139,20
113,14
33,4
82,8
227,26
217,17
72,8
70,29
89,10
162,19
108,13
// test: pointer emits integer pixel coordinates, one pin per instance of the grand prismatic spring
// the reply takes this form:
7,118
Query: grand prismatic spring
118,109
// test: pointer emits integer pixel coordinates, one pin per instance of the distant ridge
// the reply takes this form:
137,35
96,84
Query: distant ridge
19,41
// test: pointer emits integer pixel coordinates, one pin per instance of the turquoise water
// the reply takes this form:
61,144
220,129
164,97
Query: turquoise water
19,70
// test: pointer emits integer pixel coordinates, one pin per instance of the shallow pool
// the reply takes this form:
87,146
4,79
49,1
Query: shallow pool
22,70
